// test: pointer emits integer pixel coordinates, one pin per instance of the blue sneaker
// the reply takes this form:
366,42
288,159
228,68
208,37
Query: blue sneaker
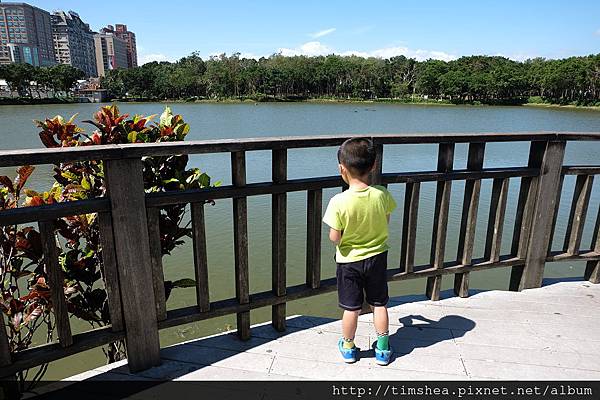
383,357
348,355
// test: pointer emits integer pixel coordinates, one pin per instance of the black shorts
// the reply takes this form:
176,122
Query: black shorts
368,275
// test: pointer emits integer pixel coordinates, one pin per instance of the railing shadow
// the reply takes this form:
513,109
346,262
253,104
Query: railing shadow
189,357
448,327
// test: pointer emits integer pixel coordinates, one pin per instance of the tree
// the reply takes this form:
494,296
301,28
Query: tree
63,77
488,79
18,78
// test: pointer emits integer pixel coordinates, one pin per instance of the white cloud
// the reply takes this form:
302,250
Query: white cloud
307,49
322,33
418,54
597,33
517,56
146,58
316,48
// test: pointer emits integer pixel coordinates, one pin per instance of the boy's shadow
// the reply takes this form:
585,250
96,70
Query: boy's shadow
412,336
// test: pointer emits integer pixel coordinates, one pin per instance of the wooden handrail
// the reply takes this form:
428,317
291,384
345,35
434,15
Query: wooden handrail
133,269
112,152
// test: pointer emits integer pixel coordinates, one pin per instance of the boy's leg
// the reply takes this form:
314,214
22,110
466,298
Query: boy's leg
377,296
382,327
349,324
350,297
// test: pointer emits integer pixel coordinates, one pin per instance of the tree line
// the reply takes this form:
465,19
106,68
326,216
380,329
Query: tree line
486,79
25,79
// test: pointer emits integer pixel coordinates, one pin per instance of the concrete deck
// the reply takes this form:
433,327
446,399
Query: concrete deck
550,333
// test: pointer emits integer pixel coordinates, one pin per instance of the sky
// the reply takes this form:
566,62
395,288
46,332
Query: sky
169,30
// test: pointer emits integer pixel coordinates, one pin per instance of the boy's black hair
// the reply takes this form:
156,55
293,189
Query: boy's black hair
357,155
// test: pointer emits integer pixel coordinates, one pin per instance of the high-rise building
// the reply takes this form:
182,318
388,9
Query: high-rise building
121,31
111,52
25,35
74,42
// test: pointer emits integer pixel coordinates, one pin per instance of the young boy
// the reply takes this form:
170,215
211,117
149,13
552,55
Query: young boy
358,218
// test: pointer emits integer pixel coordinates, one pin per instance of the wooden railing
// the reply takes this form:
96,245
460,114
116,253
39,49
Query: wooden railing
128,220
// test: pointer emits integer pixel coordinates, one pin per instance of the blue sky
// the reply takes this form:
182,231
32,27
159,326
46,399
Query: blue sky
421,29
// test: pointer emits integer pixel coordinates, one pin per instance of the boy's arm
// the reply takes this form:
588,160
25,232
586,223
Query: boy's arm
335,236
332,219
391,206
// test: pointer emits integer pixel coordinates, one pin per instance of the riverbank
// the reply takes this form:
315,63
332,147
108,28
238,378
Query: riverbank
321,100
25,101
327,100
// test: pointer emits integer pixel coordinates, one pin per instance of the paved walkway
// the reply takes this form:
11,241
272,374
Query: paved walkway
550,333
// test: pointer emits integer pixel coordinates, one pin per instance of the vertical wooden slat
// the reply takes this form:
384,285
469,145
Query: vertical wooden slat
375,177
554,219
313,238
240,239
592,268
579,206
200,256
132,246
158,278
409,227
440,220
544,209
279,228
56,282
493,241
5,356
111,272
468,223
9,387
524,214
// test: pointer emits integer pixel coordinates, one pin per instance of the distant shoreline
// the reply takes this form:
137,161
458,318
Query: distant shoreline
44,101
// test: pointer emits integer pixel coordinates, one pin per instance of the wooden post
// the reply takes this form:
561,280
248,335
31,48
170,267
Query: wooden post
278,236
468,223
524,215
440,220
313,238
592,268
5,354
240,239
56,281
111,271
375,177
200,256
495,225
579,206
544,208
130,227
409,227
9,388
158,277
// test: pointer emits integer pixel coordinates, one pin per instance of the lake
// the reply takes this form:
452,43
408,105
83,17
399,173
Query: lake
213,121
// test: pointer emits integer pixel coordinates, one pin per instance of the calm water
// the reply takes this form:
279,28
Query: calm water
212,121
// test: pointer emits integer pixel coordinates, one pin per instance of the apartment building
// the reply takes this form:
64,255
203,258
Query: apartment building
25,35
111,52
121,31
74,42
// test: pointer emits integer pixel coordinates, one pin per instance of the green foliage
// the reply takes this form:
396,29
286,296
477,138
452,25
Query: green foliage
485,79
23,78
21,258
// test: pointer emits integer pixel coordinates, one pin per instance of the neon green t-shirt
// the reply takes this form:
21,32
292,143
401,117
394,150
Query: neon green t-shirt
362,216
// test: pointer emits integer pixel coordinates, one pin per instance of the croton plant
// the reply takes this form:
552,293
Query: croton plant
25,296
